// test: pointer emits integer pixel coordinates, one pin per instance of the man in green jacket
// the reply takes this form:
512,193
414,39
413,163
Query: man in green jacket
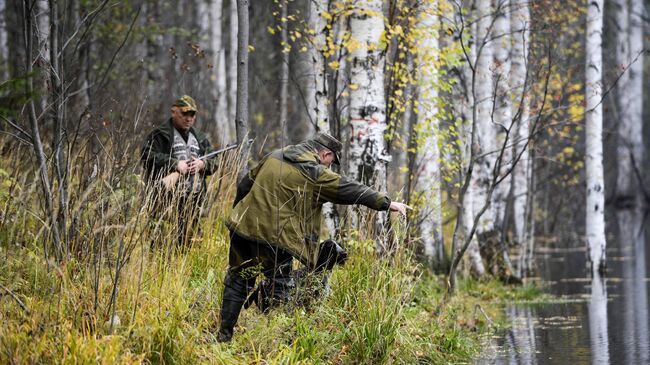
277,215
174,146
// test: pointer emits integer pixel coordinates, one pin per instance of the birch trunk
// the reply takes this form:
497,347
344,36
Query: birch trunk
42,8
595,219
231,75
520,20
241,117
225,128
367,155
629,56
429,180
503,109
485,131
318,97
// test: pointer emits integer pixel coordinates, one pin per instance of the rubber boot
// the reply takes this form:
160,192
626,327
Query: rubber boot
235,291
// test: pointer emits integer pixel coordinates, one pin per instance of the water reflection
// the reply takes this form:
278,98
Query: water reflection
635,329
599,320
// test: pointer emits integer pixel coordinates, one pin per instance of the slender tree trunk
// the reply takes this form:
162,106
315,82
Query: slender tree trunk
42,9
319,98
241,118
429,180
319,111
503,107
520,20
29,31
284,72
367,155
57,99
225,128
486,133
4,49
595,220
629,96
231,74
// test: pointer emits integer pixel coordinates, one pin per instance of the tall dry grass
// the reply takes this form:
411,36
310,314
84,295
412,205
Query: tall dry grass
114,299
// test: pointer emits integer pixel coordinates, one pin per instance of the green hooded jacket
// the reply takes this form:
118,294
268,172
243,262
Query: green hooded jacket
280,200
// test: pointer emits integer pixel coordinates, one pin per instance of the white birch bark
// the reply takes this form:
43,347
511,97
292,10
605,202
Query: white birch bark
231,74
468,211
318,96
520,20
629,48
595,219
318,99
428,181
225,128
485,131
503,107
4,50
597,308
367,155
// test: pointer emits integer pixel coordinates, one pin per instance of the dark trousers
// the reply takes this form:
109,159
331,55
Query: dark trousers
248,259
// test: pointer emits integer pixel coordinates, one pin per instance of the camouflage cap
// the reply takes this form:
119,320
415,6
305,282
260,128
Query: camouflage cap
331,144
185,103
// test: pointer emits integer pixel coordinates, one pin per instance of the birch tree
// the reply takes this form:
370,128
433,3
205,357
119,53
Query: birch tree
318,95
428,181
595,217
502,106
241,117
629,98
231,74
485,131
225,128
367,156
520,20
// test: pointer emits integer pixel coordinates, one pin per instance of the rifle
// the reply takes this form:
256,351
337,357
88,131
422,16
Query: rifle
169,181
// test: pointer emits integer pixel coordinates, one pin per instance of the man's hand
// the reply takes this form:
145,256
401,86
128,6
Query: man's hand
195,165
182,167
399,207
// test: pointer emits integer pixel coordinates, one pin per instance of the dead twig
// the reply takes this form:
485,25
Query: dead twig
15,297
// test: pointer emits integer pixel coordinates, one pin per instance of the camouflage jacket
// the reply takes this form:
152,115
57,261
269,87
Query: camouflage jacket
280,200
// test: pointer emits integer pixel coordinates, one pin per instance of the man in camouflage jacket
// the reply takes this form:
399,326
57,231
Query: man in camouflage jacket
174,146
277,217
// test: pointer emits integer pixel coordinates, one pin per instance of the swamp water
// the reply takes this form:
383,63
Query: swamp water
594,320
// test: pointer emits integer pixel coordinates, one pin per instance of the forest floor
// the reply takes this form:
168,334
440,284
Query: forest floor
165,304
379,311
